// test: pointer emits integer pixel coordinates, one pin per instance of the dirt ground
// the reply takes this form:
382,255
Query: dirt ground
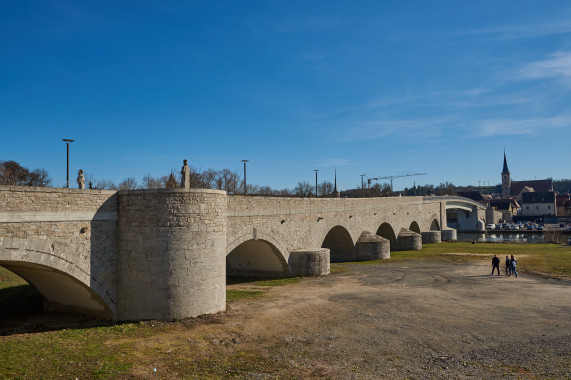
412,320
394,320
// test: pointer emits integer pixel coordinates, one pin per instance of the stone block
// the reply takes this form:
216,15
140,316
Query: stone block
309,262
449,234
372,247
431,237
409,240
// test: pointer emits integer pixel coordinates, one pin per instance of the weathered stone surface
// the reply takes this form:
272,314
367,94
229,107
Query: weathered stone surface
372,247
309,262
431,237
64,242
409,240
166,262
449,234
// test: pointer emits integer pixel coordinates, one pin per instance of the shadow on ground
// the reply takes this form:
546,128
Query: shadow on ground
21,312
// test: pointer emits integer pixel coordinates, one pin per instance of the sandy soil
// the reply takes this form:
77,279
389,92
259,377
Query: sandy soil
413,320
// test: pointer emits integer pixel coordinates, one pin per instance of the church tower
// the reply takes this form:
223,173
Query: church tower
506,180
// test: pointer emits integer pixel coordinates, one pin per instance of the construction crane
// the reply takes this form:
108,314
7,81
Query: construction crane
407,174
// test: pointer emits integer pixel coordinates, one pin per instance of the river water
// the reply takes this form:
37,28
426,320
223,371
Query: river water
511,237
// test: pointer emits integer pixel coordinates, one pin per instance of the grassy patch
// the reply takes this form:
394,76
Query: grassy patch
337,268
9,279
278,281
231,280
551,260
235,295
70,353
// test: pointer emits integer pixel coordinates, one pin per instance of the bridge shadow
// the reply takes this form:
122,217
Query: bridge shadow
22,312
234,280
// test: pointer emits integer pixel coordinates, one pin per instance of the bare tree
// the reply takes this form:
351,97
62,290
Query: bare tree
150,182
128,184
325,189
228,180
39,177
106,185
303,189
205,180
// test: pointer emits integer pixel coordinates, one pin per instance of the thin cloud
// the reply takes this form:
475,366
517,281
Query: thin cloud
522,31
385,128
558,65
513,127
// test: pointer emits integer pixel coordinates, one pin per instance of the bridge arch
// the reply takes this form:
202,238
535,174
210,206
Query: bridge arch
340,244
63,284
256,253
414,227
434,226
386,230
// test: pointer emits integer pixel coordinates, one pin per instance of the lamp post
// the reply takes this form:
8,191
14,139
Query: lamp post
245,188
316,170
67,142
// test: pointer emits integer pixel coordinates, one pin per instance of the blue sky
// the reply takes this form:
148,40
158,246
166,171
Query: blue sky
374,87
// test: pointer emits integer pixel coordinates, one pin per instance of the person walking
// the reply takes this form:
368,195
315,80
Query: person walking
496,264
513,265
508,266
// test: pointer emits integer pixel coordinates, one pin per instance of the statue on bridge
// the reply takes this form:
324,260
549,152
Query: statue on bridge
185,180
80,179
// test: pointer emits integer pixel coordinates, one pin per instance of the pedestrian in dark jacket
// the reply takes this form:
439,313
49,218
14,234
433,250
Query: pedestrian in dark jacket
496,264
508,266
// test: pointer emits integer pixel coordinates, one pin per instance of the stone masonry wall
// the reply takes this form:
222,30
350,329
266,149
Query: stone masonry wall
299,223
171,253
67,230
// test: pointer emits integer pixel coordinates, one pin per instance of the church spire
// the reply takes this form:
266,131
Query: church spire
506,180
505,170
335,190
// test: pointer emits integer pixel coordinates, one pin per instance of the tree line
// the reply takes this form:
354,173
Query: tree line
225,179
12,173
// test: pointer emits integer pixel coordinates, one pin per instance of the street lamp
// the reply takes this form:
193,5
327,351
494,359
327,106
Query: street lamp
245,188
316,170
67,142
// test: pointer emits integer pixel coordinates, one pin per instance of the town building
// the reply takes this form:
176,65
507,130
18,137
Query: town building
515,189
563,204
533,198
538,203
502,210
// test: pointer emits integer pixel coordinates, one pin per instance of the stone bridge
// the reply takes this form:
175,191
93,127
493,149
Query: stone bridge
164,254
